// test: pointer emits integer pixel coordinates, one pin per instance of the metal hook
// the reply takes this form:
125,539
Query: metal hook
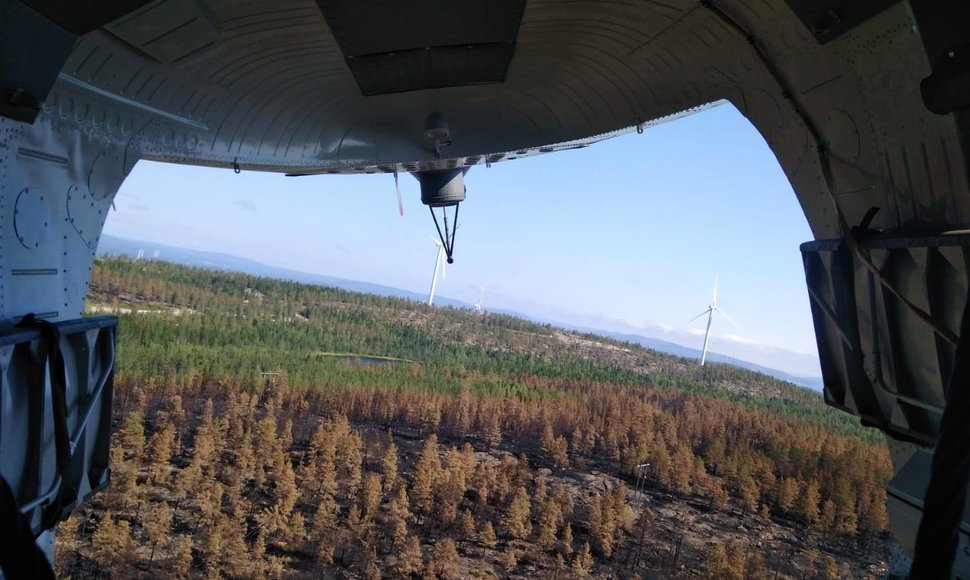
235,166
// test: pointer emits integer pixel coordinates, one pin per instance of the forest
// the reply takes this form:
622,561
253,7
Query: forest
251,441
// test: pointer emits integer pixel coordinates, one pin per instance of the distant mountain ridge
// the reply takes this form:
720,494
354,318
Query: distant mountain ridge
814,383
111,245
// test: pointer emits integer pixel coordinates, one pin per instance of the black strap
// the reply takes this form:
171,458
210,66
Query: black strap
862,230
67,492
20,557
448,236
939,534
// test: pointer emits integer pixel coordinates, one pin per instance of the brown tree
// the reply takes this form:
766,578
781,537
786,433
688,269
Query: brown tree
466,526
808,502
389,465
446,560
566,542
133,436
491,427
408,561
602,524
65,548
370,496
550,519
831,570
426,474
111,545
754,566
160,448
516,523
509,559
717,564
397,517
583,561
157,522
182,562
787,493
487,537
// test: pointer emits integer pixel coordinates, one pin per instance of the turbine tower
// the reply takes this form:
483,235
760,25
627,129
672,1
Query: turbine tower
439,262
479,306
711,309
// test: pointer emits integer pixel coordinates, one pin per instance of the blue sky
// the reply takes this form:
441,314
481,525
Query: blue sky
627,234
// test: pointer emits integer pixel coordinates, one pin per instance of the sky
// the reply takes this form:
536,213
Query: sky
625,235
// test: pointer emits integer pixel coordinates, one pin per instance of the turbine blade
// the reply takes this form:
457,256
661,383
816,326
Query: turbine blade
714,300
699,315
400,201
724,314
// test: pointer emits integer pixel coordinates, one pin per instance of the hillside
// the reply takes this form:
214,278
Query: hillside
245,318
111,246
255,439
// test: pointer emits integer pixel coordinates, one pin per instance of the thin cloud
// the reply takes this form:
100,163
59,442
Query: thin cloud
246,204
741,340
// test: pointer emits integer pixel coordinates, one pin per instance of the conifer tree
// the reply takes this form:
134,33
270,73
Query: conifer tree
787,493
509,559
549,520
560,452
371,564
808,503
133,436
111,545
466,526
446,560
583,561
566,541
487,537
516,523
827,518
602,525
716,565
157,522
397,517
370,496
409,561
389,465
735,563
754,566
831,570
65,548
350,452
484,569
426,476
160,448
182,563
285,489
491,428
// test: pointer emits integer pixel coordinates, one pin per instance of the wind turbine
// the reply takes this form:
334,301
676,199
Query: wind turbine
439,262
711,309
479,306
